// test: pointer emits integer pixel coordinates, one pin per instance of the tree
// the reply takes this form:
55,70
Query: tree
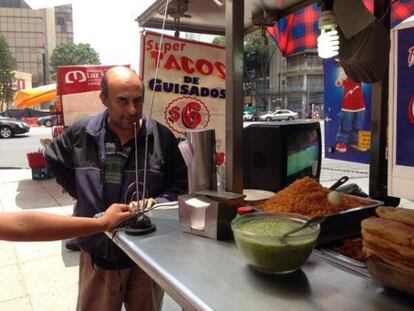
257,55
73,54
7,65
218,40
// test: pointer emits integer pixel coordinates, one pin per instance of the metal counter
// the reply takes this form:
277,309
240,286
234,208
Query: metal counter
205,274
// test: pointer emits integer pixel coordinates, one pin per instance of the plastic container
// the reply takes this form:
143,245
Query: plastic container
258,236
36,160
391,276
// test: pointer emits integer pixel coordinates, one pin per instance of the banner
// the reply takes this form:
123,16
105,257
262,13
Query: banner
189,92
79,88
401,112
347,115
405,98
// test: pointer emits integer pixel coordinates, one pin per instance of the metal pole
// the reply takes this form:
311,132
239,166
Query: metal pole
379,123
234,94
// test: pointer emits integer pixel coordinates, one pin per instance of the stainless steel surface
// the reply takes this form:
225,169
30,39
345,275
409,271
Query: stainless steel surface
343,262
234,95
208,213
202,173
205,16
198,220
205,274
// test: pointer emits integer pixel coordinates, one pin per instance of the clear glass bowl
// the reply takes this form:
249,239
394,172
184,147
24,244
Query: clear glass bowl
258,236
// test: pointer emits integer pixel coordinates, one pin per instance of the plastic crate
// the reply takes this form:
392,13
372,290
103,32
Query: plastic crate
41,173
36,160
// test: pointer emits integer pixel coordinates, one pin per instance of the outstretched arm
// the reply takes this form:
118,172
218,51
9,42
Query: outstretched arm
37,226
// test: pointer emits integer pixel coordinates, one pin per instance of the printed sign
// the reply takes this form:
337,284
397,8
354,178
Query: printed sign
79,88
189,91
405,98
347,115
79,79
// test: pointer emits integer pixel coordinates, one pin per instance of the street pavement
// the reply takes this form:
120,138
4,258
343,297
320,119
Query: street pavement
42,276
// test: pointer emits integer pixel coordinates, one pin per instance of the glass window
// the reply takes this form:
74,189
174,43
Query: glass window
60,20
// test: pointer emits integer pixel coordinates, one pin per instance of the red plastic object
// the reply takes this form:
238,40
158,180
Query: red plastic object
242,210
36,160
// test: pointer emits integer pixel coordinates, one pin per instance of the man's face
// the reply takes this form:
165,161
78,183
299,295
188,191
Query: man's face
124,102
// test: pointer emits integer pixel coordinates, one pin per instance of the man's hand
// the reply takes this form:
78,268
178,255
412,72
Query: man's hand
115,215
133,205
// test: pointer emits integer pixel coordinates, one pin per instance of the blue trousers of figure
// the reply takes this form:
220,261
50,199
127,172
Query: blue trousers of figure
349,123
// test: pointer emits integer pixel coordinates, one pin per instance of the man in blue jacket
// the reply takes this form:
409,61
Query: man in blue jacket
94,160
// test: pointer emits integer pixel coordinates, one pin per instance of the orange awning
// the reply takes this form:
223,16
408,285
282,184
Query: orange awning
35,96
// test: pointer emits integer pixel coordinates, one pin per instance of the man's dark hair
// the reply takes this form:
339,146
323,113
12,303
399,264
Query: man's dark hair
104,86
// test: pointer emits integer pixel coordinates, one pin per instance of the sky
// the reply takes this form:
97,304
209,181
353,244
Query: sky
108,26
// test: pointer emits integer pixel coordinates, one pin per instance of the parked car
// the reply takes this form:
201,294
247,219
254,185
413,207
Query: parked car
24,113
247,116
46,121
9,128
278,115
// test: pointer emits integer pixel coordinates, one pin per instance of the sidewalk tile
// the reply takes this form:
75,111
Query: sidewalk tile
48,275
63,298
18,304
12,283
8,254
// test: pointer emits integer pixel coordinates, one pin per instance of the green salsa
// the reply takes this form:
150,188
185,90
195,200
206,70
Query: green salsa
272,227
267,252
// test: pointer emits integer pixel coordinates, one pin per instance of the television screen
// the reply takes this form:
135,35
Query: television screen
302,154
278,153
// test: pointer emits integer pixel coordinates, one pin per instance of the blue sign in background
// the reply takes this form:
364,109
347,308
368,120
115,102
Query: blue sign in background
405,91
332,104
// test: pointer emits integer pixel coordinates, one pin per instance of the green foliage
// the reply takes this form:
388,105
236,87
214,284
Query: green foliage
7,65
73,54
218,40
257,56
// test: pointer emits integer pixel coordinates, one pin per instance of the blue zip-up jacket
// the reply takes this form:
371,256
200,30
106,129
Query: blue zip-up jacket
77,157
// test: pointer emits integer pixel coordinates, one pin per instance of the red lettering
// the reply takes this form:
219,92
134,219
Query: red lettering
221,68
201,64
154,56
191,115
185,63
174,113
190,66
149,45
410,111
172,63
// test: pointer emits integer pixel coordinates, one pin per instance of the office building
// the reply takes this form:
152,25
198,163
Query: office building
33,34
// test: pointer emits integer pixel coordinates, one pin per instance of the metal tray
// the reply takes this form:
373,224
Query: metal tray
346,223
343,262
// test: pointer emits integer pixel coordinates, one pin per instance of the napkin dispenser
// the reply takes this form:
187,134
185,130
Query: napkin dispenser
209,213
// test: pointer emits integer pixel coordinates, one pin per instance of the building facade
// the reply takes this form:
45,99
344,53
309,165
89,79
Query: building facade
294,83
33,34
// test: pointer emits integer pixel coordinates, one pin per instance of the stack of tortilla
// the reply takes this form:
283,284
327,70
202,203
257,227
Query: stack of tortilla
390,237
